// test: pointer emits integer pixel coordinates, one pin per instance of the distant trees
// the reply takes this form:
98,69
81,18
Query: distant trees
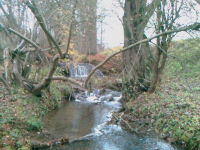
85,38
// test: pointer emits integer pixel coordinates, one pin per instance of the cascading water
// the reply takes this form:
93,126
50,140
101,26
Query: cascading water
81,70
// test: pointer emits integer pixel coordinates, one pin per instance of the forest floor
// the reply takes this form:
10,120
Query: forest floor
21,112
174,109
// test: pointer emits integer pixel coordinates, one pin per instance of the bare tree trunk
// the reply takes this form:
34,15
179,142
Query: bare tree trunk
27,64
6,61
137,60
155,76
5,83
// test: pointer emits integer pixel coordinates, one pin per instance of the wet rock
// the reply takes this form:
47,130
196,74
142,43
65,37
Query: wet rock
108,97
104,91
81,98
115,94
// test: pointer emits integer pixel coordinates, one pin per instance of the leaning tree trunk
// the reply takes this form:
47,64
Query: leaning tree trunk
6,61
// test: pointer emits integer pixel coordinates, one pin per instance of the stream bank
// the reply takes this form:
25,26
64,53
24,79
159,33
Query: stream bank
171,112
21,112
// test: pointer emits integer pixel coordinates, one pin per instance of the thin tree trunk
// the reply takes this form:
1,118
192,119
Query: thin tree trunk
5,83
155,76
28,64
6,63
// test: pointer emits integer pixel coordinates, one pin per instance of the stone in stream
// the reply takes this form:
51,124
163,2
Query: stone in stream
108,97
104,91
115,94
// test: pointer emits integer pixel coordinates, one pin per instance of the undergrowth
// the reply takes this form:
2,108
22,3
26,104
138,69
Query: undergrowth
21,112
174,109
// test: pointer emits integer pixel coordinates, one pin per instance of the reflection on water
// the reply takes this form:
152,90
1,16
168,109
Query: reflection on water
74,119
116,139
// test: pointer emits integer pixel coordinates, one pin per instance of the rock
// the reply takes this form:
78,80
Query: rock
115,94
108,97
104,92
81,98
183,105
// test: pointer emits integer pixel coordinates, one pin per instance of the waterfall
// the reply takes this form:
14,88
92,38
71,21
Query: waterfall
81,70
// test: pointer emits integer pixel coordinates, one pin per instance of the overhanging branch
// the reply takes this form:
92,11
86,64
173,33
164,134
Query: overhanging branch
194,26
41,21
68,79
23,37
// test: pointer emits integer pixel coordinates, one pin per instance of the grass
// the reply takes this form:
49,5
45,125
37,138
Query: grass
174,109
20,113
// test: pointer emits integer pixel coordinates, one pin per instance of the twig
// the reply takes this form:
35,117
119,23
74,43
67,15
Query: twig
132,130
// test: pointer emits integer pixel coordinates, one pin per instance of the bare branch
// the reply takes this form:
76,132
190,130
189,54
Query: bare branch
195,26
41,21
47,80
198,1
8,35
23,37
68,79
9,16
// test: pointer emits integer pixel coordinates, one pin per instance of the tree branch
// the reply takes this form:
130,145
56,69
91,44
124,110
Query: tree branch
198,1
71,80
41,21
47,80
23,37
194,26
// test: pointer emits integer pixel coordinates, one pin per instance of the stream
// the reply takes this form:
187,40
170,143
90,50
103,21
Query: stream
84,123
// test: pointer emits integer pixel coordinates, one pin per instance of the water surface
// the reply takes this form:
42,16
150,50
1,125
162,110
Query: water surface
86,120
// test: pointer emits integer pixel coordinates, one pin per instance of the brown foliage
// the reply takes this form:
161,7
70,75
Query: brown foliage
112,66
